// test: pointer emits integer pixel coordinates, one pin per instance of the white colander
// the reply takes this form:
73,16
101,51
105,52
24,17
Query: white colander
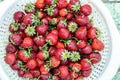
104,70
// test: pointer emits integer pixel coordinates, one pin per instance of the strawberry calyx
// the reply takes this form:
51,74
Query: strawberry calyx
53,21
66,42
72,27
75,69
65,55
30,31
29,7
49,42
35,20
75,56
28,52
54,2
47,67
15,26
50,10
64,22
45,54
51,77
98,32
21,65
76,6
44,47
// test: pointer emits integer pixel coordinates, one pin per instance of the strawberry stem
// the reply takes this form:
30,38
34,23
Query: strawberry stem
50,11
72,27
53,21
30,31
65,55
15,26
29,7
45,54
75,56
76,6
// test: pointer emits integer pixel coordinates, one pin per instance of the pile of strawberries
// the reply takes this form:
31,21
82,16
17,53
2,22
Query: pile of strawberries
53,40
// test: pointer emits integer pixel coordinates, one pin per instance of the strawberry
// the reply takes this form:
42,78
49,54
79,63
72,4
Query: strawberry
95,57
13,27
71,45
31,64
28,75
18,16
63,33
42,55
62,4
64,62
92,33
86,9
81,44
42,29
82,20
44,76
10,48
97,44
10,58
59,45
27,42
54,62
21,73
54,31
76,67
30,8
86,73
52,51
69,16
35,48
39,40
44,69
24,55
54,21
45,21
16,39
75,56
52,11
52,77
79,78
73,74
40,14
39,62
15,66
33,55
40,4
62,24
85,64
36,72
30,31
63,12
72,26
22,27
51,38
51,2
63,72
81,33
87,49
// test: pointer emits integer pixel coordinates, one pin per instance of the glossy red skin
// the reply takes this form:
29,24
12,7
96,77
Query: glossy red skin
95,57
16,39
63,72
92,33
54,31
44,77
27,42
43,70
39,62
56,12
40,4
52,38
21,56
41,14
69,16
79,78
31,64
40,55
55,62
73,75
86,9
42,29
72,46
22,34
71,65
82,20
97,44
10,48
36,73
87,49
63,33
22,27
45,21
48,2
86,73
48,18
28,19
76,66
63,12
40,41
85,65
58,53
52,51
10,58
18,16
64,62
21,73
28,75
56,77
11,29
33,55
35,48
61,25
81,44
15,66
81,33
62,4
59,45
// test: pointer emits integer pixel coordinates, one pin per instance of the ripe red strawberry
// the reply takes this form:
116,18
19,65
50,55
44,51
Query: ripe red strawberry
54,31
59,45
44,76
33,55
21,73
92,33
62,4
35,73
28,75
76,67
18,16
85,64
15,66
86,73
79,78
35,48
95,57
42,55
39,62
63,12
22,27
71,45
51,2
30,31
30,8
10,48
62,24
63,33
10,58
52,51
86,9
51,38
54,62
72,26
81,44
52,11
40,4
82,20
28,19
16,39
69,16
44,69
39,40
97,44
87,49
27,42
63,72
45,21
24,55
40,14
64,62
31,64
13,27
81,33
42,29
73,75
